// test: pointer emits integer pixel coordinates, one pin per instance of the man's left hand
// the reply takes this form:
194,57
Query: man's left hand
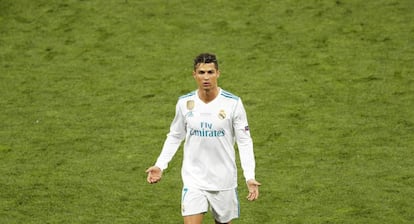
253,187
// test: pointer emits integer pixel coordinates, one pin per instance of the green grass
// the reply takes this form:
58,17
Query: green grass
88,89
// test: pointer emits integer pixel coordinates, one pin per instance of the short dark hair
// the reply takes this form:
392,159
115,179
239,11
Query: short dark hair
205,58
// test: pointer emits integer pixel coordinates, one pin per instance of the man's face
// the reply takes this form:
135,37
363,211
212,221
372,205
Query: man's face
206,76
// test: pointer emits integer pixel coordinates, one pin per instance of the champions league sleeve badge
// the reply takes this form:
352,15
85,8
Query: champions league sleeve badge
222,114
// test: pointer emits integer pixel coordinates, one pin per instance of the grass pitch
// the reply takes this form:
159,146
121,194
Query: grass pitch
88,88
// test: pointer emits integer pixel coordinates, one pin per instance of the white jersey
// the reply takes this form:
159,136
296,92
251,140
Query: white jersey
210,131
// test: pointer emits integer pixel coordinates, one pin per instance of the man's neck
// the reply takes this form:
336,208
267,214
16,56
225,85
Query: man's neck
208,95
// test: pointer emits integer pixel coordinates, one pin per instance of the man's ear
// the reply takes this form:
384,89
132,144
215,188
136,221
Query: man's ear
218,73
194,74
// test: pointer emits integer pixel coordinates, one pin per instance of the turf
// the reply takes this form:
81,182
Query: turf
88,89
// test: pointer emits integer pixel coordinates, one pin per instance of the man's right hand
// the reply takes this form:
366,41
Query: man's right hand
154,174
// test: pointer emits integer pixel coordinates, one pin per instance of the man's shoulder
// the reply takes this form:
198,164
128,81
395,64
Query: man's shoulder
187,96
187,100
228,95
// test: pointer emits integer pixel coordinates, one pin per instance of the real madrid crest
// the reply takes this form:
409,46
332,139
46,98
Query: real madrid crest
222,114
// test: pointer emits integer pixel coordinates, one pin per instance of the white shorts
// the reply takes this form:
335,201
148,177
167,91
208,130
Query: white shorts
223,204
